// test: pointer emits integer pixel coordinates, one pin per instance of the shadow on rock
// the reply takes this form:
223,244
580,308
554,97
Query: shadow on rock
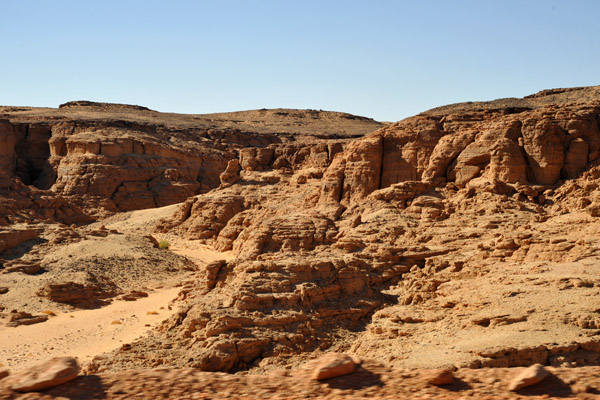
457,385
360,379
552,386
22,249
82,388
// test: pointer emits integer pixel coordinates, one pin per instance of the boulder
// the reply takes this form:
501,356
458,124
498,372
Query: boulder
528,377
53,372
439,377
333,365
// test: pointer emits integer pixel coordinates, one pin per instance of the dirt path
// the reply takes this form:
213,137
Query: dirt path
84,333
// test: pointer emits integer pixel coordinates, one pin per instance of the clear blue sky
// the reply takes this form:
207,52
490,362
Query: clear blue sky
382,59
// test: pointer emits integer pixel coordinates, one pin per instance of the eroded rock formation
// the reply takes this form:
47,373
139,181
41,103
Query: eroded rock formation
110,157
465,236
451,225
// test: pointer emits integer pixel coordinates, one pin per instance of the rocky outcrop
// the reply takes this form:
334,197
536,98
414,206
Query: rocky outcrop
231,174
83,295
23,318
406,224
205,217
273,308
131,168
14,237
114,157
531,147
22,203
24,152
290,155
26,267
445,240
290,233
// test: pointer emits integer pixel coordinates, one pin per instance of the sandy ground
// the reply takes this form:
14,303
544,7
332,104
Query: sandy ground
139,221
200,253
87,333
144,222
84,333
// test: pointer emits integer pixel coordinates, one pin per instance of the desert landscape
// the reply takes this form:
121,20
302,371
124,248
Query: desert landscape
288,254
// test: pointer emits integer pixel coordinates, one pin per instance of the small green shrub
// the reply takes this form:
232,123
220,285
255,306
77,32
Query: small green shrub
164,244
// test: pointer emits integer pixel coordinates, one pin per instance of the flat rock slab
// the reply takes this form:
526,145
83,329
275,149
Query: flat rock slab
23,318
26,268
53,372
528,377
333,365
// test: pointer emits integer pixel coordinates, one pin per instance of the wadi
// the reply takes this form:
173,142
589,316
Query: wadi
282,253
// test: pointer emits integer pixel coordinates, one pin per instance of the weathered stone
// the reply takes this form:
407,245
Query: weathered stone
133,295
444,222
80,294
116,159
29,268
528,377
14,237
152,240
52,373
24,318
333,365
231,174
439,377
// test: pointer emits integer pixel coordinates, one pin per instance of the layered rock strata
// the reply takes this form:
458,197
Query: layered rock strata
110,157
451,225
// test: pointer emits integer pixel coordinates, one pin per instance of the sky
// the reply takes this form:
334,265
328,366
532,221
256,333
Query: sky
382,59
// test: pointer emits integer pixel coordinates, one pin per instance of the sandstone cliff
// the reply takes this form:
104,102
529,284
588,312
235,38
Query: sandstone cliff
464,236
405,245
110,157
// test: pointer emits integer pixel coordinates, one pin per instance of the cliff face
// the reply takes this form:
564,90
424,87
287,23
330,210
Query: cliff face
537,147
132,167
121,166
24,153
405,246
105,157
464,236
